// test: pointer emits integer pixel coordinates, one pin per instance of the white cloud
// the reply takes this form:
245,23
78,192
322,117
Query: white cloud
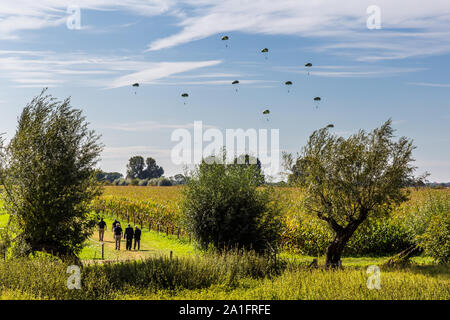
48,69
160,70
220,82
357,71
128,151
409,28
19,15
141,126
342,22
428,84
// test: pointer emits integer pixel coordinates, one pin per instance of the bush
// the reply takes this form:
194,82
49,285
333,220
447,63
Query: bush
153,182
378,237
223,207
164,182
436,239
143,182
430,223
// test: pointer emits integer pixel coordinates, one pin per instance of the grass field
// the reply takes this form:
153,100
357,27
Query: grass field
193,274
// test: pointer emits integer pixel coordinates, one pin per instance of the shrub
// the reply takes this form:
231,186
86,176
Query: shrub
164,182
153,182
143,182
223,207
434,234
378,237
436,239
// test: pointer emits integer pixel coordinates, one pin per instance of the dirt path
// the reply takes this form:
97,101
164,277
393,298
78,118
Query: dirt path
118,255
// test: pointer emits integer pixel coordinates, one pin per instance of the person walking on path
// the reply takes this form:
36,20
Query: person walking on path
114,224
117,235
101,229
128,235
137,238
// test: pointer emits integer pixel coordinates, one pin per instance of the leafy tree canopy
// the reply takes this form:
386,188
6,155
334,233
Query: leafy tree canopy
348,180
49,177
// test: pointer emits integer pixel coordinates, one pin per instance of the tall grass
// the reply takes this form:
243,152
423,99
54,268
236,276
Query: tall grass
214,276
45,278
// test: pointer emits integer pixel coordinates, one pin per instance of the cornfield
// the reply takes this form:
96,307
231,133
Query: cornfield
158,208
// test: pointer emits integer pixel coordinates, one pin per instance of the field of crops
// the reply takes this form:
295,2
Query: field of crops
158,208
151,274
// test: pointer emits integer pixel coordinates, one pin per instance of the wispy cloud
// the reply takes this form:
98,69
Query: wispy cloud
127,151
408,28
361,71
142,126
220,82
428,84
48,69
20,15
160,70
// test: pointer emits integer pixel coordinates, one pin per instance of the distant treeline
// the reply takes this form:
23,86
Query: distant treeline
117,179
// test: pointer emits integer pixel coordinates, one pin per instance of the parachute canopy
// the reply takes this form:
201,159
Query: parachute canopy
317,99
330,125
225,38
266,111
235,82
265,50
136,85
288,83
308,65
185,95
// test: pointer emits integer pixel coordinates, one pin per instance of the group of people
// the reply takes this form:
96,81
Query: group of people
129,234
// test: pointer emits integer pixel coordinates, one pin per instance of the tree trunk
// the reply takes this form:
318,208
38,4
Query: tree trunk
335,249
334,252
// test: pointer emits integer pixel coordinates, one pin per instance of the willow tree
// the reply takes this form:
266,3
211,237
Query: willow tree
348,180
49,177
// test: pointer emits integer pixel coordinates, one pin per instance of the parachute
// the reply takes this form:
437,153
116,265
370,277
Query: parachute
265,51
185,96
330,125
266,113
308,65
317,101
288,83
225,38
236,83
135,85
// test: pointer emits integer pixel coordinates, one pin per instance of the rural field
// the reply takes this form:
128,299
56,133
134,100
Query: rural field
236,154
170,264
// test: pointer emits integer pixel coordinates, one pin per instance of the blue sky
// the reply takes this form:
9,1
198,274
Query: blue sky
364,77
